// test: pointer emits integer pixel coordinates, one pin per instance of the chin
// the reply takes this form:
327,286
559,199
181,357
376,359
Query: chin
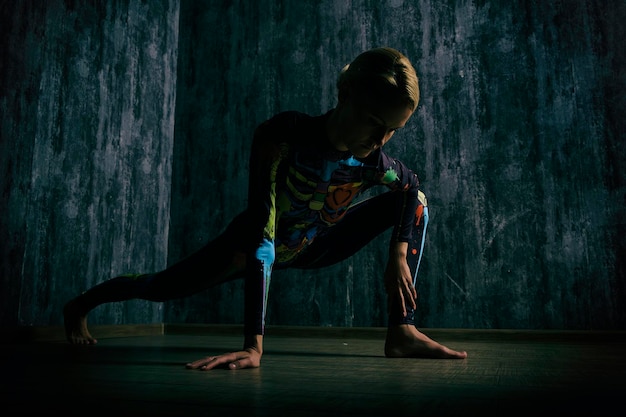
363,153
359,151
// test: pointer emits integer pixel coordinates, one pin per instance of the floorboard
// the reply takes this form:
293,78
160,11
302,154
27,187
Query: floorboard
337,372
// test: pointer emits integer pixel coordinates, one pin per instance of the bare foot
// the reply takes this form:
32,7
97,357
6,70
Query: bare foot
405,341
75,322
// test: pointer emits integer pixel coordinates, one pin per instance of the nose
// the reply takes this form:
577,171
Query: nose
381,136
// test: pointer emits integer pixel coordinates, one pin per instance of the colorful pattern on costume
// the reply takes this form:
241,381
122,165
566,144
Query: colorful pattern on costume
315,199
311,188
416,247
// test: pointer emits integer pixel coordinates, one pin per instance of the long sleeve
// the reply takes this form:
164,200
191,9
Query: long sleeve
399,178
265,160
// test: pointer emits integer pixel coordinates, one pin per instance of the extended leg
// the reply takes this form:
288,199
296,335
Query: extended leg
215,263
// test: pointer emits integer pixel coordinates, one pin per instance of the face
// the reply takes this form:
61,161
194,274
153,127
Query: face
362,127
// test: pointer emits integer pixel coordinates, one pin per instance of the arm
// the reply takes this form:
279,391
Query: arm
260,218
401,292
399,275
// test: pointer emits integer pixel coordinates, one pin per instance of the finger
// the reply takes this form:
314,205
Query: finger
402,301
199,362
221,360
240,364
412,297
210,362
409,295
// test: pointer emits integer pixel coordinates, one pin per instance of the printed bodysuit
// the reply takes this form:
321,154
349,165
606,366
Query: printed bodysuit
304,199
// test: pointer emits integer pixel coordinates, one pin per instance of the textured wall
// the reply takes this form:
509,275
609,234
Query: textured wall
88,99
518,141
523,165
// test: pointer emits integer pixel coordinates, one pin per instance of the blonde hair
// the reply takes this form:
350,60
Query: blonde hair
380,74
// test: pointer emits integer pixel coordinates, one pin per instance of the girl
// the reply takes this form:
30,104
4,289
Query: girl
305,173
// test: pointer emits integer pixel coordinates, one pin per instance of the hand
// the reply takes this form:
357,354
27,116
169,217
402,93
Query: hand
398,280
248,358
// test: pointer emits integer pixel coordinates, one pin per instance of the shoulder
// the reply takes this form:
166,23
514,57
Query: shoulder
286,121
293,128
396,173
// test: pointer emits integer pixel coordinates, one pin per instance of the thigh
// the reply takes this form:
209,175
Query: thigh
222,259
362,223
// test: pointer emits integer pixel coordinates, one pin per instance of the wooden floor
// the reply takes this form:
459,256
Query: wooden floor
318,372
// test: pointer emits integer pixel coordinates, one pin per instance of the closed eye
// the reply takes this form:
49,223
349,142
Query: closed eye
380,123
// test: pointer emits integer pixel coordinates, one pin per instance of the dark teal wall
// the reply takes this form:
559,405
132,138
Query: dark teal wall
87,117
125,131
517,140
